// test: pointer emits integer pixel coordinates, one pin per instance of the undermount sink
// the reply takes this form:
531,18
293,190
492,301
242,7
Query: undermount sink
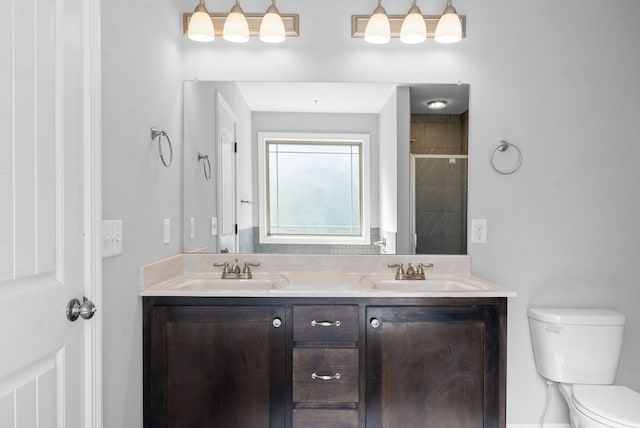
435,284
424,285
218,284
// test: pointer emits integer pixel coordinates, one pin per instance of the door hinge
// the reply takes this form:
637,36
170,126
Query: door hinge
236,229
235,147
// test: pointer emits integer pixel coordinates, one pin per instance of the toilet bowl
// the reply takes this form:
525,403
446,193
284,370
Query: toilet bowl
579,349
600,406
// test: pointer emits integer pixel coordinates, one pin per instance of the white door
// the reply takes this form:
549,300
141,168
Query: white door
226,137
42,215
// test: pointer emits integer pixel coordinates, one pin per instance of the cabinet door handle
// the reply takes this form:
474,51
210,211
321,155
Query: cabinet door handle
375,322
277,322
315,323
315,376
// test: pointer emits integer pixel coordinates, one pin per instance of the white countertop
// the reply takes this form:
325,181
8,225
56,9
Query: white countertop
194,276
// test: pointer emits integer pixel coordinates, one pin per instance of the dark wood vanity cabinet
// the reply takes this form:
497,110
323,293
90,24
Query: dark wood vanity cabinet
326,366
214,365
248,362
439,366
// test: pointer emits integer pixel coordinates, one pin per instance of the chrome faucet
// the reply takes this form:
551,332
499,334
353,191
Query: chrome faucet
413,272
233,271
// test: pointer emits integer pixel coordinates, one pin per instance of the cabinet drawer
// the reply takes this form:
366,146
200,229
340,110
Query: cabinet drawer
323,418
333,363
325,323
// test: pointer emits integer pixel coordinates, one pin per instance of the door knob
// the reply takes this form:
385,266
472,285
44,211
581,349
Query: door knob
75,309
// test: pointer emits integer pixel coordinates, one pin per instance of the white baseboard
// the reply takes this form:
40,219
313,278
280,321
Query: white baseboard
538,425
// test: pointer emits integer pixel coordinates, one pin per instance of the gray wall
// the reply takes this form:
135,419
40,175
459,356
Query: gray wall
142,87
563,230
199,194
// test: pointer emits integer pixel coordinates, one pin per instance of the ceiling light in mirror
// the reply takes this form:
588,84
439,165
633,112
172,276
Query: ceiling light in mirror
436,104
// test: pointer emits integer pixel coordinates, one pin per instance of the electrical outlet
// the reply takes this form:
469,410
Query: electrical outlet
111,238
478,231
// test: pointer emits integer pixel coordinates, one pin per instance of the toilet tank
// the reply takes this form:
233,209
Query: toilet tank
577,345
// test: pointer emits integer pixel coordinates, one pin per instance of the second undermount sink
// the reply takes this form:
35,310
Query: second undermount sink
218,284
434,284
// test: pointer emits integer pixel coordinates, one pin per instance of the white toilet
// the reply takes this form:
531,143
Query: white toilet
580,349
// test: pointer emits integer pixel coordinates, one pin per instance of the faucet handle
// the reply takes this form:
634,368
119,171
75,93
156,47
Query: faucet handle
225,266
421,267
247,269
399,266
247,265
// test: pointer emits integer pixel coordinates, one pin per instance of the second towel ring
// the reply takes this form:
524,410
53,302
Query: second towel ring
206,165
503,146
159,134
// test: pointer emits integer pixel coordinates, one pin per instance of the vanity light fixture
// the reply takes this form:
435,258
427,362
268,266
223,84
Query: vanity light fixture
436,104
239,27
272,27
200,25
449,28
414,29
378,30
236,28
380,27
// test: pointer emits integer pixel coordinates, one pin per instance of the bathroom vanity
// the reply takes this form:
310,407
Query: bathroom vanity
322,348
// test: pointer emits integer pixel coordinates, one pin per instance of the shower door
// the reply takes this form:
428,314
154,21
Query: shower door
439,204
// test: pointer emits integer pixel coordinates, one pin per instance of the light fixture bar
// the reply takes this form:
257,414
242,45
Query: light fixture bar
359,23
291,23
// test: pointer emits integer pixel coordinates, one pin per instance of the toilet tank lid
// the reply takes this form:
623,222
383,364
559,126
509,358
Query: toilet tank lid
577,316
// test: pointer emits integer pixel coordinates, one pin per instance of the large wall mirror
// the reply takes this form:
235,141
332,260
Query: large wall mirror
325,168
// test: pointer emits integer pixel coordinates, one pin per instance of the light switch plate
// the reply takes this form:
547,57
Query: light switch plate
111,238
166,231
214,226
192,228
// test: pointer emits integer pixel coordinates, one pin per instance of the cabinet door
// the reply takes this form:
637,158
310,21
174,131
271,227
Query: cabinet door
215,366
433,367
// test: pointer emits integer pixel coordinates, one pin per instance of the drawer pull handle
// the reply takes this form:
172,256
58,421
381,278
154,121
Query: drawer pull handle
315,376
315,323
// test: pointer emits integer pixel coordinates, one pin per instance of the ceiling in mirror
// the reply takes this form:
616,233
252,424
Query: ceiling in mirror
339,97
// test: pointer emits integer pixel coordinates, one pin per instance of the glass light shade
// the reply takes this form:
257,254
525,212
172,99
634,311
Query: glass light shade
236,27
449,28
272,28
437,104
414,29
378,30
200,25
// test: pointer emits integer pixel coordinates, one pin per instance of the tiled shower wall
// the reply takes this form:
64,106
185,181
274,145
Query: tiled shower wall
441,184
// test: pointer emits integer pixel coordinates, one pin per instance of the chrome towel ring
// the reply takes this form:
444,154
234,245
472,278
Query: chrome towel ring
206,165
155,133
503,146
